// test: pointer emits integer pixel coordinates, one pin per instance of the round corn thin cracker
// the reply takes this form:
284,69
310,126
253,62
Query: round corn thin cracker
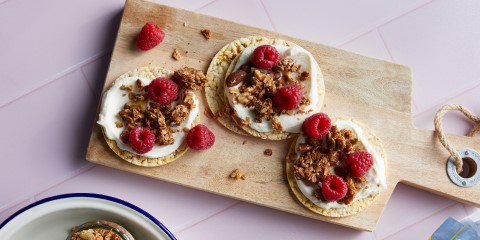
276,135
150,73
350,209
221,66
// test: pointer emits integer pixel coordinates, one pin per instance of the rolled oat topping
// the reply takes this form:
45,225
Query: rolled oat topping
179,114
190,78
96,234
277,126
158,118
317,158
288,64
259,86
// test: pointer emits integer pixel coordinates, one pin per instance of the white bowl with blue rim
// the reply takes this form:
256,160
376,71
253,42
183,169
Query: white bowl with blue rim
54,217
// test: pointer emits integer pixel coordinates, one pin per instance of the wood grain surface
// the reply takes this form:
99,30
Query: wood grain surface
374,92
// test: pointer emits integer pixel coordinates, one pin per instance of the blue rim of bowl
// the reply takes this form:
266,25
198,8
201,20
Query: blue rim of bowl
90,195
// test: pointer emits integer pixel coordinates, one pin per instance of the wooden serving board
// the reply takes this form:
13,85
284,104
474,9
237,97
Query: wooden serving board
374,92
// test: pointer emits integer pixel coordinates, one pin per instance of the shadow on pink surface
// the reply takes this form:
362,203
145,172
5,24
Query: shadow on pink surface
96,70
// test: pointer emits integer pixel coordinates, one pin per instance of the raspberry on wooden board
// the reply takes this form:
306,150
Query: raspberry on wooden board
149,37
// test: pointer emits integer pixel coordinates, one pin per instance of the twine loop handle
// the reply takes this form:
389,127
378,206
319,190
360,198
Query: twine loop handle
441,135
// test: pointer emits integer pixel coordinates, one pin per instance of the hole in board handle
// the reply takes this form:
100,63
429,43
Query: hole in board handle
469,176
469,168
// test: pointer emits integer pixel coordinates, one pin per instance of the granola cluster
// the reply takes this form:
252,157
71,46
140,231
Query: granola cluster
190,78
259,86
318,157
96,234
157,117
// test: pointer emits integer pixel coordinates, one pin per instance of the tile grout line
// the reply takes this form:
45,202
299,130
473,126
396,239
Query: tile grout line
14,208
390,54
34,197
378,25
206,5
377,32
420,220
441,102
53,78
76,173
384,43
268,15
89,84
14,203
206,218
467,211
405,13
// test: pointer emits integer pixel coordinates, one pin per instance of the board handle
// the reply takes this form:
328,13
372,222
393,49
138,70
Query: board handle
426,167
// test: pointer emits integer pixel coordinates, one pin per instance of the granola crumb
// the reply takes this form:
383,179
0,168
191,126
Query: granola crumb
268,152
179,114
126,88
244,142
288,64
207,33
176,54
277,125
245,122
184,24
118,124
304,75
236,174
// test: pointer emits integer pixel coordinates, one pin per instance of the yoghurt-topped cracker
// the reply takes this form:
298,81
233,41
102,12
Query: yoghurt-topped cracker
269,87
146,114
336,168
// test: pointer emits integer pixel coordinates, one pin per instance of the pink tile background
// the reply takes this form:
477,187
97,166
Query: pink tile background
54,56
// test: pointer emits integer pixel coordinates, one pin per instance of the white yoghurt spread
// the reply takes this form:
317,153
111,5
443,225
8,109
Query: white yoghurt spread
376,180
290,123
112,103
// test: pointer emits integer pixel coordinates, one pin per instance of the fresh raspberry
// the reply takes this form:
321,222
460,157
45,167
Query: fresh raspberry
288,97
200,138
141,139
162,90
149,37
317,125
359,163
334,188
265,56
